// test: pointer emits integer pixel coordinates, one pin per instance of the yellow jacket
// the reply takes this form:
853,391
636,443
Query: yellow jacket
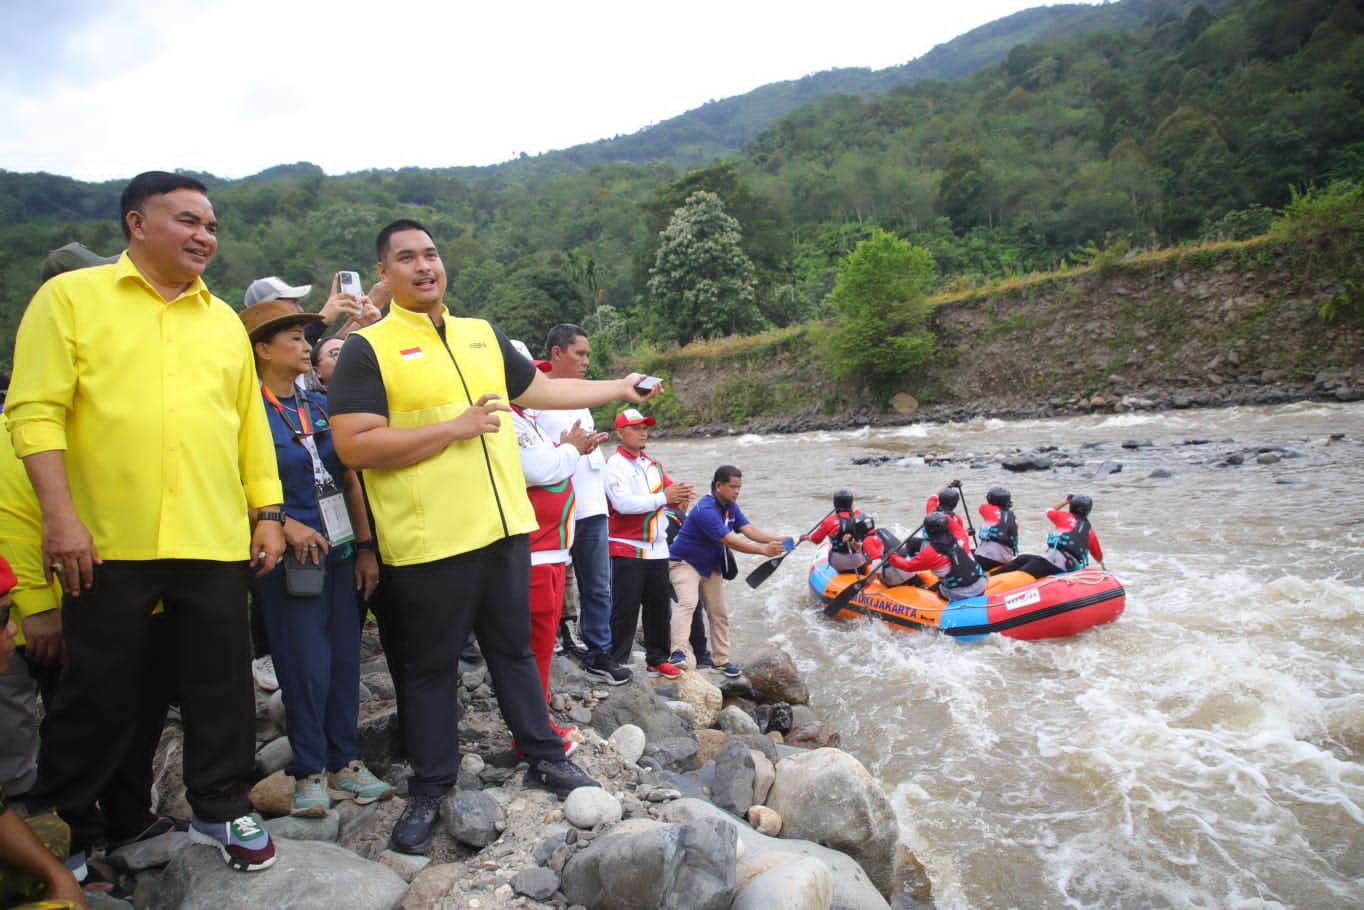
472,493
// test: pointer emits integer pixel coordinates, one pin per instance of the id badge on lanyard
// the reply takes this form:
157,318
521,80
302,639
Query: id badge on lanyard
335,518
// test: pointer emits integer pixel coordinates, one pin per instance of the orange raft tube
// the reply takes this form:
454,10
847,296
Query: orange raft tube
1014,604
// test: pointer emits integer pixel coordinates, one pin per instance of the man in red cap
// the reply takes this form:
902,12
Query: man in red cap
638,491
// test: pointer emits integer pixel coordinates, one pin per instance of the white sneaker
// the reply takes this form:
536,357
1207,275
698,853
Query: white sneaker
263,671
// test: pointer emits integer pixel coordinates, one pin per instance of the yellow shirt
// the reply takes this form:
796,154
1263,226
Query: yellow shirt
157,407
21,540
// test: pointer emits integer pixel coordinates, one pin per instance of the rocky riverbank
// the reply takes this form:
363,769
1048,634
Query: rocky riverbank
1239,325
716,793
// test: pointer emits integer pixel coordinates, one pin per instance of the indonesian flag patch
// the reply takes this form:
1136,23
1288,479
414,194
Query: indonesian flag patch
411,353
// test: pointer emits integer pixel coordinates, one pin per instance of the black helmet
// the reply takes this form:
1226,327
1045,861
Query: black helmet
1080,504
948,499
999,496
936,524
843,501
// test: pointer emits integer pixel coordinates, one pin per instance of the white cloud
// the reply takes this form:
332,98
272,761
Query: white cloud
234,86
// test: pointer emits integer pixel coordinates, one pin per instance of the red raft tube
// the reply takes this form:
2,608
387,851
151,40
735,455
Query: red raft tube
1015,604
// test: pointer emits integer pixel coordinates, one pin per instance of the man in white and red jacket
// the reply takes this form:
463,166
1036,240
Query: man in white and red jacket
637,491
548,466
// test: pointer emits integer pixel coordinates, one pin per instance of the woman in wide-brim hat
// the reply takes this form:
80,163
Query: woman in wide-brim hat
314,629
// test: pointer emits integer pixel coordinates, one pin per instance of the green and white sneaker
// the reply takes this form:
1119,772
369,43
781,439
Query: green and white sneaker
357,782
310,797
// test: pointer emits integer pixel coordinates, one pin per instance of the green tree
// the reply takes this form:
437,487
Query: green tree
701,284
881,298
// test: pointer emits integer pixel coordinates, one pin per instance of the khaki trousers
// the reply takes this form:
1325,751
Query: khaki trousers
691,587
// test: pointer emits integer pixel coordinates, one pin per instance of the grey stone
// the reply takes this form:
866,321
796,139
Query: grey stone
149,854
732,789
641,863
829,797
676,752
536,883
588,807
734,719
853,890
326,828
473,818
274,706
274,756
804,883
634,703
380,740
773,675
815,735
628,740
306,875
380,685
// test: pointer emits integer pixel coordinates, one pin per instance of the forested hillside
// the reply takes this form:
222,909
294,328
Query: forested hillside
1190,126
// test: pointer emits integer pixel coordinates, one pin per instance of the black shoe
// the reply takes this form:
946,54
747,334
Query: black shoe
602,667
412,831
570,642
559,776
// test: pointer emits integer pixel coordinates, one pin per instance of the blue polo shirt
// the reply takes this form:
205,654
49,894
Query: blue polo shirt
296,465
699,541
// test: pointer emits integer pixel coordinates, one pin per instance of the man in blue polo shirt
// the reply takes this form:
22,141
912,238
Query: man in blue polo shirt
698,562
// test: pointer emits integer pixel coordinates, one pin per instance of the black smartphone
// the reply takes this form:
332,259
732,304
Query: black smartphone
647,384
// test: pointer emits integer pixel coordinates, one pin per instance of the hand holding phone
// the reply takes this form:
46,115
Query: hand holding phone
647,384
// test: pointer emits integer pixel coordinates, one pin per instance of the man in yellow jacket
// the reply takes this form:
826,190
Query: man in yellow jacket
420,402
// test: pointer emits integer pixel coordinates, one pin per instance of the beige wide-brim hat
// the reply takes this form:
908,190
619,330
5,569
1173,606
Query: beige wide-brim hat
261,319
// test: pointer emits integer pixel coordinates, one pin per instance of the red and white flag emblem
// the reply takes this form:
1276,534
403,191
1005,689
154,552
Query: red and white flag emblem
411,353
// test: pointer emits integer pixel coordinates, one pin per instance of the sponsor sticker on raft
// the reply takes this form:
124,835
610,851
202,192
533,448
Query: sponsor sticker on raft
411,353
1023,599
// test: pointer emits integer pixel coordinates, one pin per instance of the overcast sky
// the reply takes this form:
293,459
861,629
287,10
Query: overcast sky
104,89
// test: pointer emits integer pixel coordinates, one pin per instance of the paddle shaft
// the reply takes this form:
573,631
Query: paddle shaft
966,510
765,570
848,593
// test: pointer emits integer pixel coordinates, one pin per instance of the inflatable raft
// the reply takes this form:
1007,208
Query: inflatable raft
1015,604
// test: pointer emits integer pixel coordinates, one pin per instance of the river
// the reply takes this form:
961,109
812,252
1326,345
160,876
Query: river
1204,751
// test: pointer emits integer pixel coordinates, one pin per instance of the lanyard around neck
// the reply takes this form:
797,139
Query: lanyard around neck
305,426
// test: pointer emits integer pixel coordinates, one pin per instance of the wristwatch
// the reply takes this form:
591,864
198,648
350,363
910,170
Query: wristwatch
271,515
365,544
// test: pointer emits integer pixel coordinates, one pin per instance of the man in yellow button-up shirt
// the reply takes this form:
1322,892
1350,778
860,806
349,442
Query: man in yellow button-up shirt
136,409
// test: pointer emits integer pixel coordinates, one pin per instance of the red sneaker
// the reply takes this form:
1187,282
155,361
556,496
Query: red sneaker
665,669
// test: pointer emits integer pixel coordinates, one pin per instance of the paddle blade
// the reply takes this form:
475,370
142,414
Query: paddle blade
847,594
764,571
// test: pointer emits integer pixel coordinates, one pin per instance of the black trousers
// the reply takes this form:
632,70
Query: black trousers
487,590
123,666
639,593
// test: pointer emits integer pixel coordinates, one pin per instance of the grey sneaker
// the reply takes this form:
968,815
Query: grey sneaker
560,776
602,668
310,797
242,842
357,782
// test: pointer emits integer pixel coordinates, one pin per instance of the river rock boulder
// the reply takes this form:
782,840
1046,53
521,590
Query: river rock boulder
641,863
703,696
307,874
853,890
827,796
773,675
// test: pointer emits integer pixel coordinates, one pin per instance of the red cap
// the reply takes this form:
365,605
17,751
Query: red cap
632,418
